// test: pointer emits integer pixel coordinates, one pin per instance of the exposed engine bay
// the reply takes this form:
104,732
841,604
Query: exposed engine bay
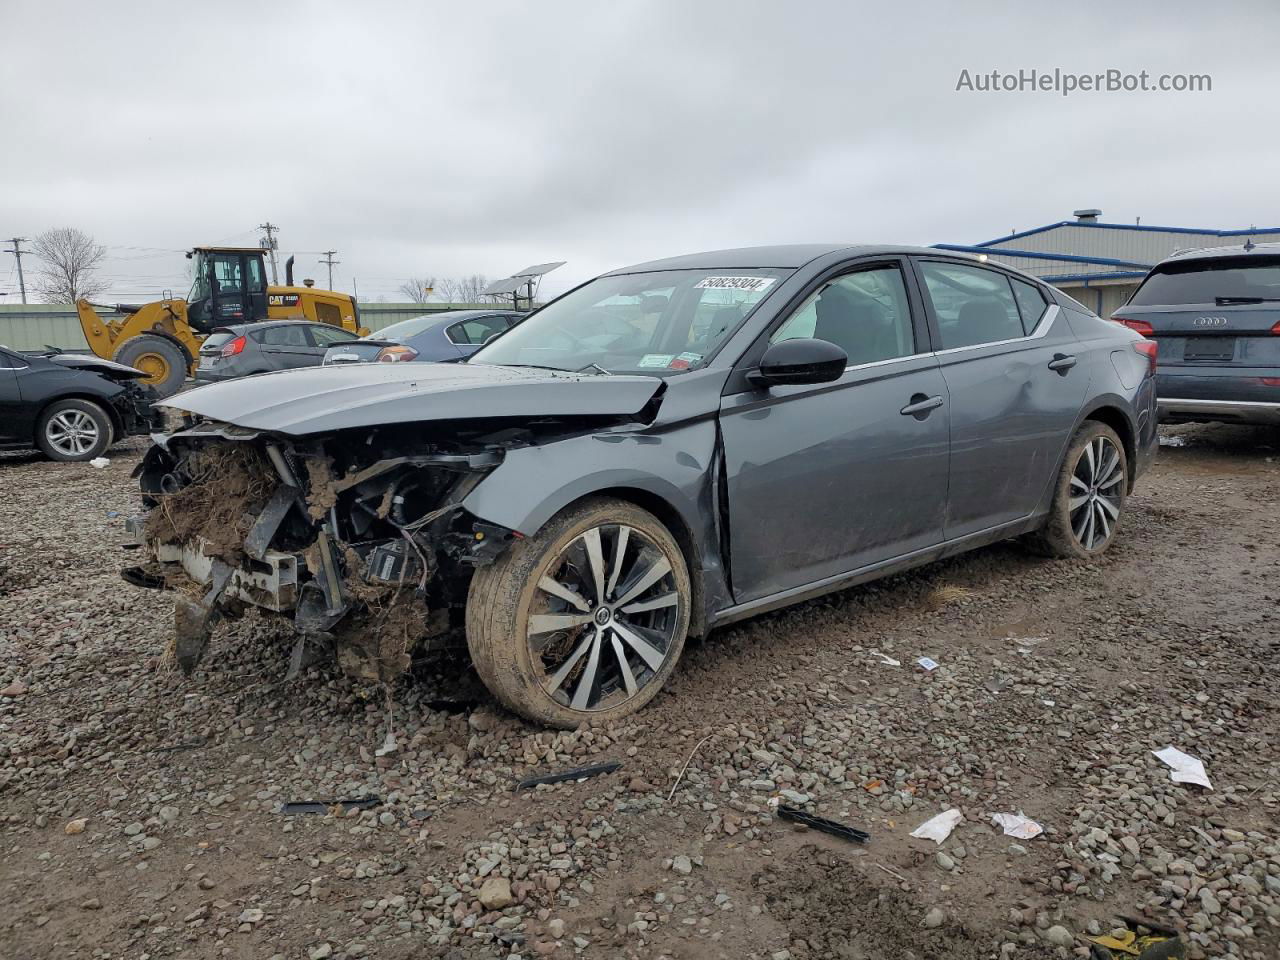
359,537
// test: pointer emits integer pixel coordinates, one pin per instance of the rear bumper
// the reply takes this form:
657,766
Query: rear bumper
1239,394
1186,410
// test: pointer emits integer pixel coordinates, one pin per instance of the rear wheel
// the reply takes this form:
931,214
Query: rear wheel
74,430
162,361
1089,497
584,621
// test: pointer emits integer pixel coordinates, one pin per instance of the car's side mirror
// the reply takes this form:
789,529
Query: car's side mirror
800,362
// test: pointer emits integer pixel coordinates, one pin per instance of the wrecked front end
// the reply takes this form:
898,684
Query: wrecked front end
358,537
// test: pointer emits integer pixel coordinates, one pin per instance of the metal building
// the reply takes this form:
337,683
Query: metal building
1097,263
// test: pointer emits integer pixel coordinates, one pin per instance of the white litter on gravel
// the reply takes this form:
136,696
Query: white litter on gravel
938,828
1185,768
1016,825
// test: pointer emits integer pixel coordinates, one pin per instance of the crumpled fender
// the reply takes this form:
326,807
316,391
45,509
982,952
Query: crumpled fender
534,483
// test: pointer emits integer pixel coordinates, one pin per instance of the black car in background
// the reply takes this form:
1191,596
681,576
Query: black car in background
72,407
1215,316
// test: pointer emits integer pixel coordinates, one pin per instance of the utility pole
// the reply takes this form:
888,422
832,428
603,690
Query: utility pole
329,261
17,252
270,243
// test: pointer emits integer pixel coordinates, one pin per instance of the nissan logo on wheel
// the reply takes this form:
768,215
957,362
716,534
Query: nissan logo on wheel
1209,322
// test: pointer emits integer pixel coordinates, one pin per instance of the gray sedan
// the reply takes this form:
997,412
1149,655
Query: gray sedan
447,335
248,348
665,449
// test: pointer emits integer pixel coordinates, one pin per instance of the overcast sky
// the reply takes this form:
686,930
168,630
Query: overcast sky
435,139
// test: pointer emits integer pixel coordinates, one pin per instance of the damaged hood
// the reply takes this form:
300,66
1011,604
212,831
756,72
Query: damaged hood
109,368
342,397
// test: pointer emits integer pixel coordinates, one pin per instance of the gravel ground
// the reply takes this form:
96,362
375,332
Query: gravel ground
140,811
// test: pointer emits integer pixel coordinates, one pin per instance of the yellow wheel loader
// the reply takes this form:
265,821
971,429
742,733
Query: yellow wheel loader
162,339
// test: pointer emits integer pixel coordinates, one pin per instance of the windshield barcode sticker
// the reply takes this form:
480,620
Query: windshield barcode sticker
750,284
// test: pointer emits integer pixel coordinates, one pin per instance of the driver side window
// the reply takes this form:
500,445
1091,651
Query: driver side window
866,314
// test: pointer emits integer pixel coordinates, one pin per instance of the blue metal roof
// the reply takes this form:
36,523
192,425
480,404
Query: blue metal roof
1057,278
1096,225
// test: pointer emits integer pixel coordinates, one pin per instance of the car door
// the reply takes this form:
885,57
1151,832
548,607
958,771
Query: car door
1015,386
829,478
287,345
15,419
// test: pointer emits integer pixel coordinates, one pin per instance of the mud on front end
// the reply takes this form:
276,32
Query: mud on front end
359,537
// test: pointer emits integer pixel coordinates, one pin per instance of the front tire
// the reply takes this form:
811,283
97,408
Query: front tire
584,621
71,431
1089,498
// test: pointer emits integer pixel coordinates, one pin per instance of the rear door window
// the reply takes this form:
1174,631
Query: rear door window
1031,303
285,335
476,330
973,305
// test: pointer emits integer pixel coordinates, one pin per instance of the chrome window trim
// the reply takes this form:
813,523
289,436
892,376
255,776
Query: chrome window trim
1041,330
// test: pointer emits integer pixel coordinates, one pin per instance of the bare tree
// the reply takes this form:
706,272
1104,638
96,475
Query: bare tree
418,289
71,261
462,289
472,287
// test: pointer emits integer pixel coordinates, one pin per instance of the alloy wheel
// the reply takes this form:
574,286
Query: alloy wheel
72,433
1097,493
604,618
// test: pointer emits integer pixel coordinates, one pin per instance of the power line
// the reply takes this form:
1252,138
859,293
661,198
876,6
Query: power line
17,252
270,243
328,259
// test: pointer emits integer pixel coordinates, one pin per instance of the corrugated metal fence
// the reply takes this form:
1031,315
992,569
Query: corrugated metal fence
38,325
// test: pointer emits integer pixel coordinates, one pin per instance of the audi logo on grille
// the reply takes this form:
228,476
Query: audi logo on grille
1209,322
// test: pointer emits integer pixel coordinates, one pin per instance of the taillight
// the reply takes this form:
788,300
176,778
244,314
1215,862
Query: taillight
1148,348
1275,329
234,347
395,354
1138,326
1270,381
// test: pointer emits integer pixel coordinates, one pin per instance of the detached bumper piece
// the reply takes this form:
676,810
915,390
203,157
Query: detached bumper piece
193,622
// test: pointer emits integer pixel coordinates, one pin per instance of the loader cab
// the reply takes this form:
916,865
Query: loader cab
229,285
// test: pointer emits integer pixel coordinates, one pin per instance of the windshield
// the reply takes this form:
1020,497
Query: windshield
1243,279
663,322
200,279
407,328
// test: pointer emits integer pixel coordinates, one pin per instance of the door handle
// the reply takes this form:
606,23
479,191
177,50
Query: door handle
920,406
1061,362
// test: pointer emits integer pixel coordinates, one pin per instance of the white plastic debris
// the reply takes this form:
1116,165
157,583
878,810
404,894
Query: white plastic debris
388,745
887,660
1186,768
99,462
938,828
1016,825
928,663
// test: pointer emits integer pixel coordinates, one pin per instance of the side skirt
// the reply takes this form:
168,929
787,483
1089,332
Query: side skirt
875,571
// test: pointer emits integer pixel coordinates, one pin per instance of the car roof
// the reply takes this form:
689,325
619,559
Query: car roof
1216,253
239,328
787,256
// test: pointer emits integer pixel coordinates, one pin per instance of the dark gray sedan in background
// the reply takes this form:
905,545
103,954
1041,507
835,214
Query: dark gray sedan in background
248,348
447,335
1215,314
665,449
